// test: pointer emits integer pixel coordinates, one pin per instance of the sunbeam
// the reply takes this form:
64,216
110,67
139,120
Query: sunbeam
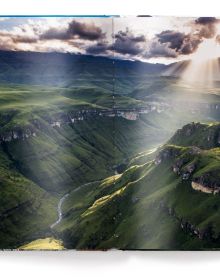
204,65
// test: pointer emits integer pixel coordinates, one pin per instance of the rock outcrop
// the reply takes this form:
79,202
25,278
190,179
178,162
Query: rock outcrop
206,183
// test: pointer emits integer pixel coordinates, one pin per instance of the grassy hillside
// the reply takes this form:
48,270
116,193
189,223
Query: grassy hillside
25,208
151,205
43,162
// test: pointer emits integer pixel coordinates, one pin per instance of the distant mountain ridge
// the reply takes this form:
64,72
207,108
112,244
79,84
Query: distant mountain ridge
57,69
61,69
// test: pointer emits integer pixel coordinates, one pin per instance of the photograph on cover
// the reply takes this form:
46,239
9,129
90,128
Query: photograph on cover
110,133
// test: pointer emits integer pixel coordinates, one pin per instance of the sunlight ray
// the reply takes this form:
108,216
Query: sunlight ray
204,65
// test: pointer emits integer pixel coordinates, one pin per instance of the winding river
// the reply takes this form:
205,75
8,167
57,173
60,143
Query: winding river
59,210
63,198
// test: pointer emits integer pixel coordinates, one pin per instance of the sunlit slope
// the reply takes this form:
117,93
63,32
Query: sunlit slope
43,244
151,206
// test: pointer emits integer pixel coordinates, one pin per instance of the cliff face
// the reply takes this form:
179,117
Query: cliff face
200,167
206,189
21,132
207,182
18,134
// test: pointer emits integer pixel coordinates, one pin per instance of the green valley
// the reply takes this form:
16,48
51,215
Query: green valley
97,153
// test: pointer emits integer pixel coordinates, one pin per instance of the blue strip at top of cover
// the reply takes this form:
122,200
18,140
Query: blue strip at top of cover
76,16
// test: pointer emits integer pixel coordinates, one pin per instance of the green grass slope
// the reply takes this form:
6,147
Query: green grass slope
26,210
151,205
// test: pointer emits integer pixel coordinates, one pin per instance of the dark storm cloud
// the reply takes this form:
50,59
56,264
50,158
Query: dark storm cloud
156,49
129,36
206,20
168,43
127,43
206,26
85,31
55,34
190,44
99,48
174,38
75,29
182,43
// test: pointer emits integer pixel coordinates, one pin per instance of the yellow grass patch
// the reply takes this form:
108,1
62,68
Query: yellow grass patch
43,244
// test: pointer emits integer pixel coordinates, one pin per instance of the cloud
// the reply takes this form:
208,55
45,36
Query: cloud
127,43
99,48
182,43
173,38
206,20
68,35
94,37
206,27
6,43
17,38
54,34
23,39
190,44
168,43
85,31
75,29
156,49
10,41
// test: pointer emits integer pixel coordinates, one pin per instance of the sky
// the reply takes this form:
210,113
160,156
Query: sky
151,39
